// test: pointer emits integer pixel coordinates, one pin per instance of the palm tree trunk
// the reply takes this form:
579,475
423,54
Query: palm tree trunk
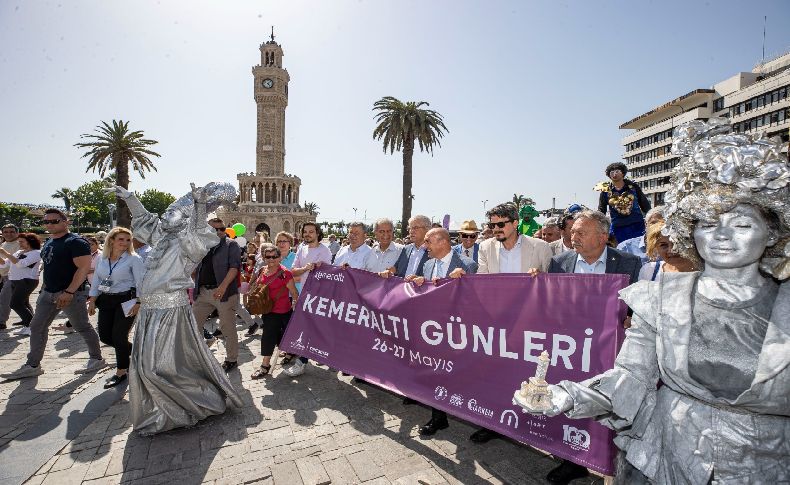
122,179
408,154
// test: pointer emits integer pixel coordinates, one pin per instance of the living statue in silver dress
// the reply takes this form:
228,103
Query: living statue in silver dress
174,380
700,390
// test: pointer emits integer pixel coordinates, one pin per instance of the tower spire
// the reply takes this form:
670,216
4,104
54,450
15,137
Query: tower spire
272,33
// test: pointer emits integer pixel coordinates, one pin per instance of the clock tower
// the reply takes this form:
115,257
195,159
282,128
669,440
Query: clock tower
271,97
269,197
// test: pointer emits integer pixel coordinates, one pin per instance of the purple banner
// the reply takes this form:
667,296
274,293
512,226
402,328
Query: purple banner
465,345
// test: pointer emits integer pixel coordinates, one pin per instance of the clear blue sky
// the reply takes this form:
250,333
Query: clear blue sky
532,92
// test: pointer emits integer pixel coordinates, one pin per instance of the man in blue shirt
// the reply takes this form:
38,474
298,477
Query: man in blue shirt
469,245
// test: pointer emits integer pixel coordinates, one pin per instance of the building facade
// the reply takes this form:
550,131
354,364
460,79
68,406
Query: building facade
269,197
756,101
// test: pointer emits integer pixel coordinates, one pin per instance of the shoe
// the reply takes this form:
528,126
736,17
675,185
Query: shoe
24,331
357,380
211,341
251,331
114,381
432,427
23,372
228,366
566,472
91,366
483,435
18,324
217,333
261,372
407,401
295,370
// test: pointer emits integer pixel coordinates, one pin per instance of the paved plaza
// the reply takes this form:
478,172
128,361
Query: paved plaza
319,428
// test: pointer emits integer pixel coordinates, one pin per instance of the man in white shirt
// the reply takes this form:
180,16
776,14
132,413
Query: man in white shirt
311,253
385,252
551,230
355,254
413,256
10,244
508,251
563,243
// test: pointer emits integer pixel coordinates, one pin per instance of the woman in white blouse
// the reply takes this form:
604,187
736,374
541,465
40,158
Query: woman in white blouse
119,272
23,267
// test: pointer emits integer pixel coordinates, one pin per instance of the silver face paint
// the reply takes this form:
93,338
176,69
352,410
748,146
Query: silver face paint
736,239
173,218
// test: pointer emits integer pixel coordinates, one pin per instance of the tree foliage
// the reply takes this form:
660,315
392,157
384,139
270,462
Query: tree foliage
64,194
156,201
399,125
311,208
14,214
92,195
115,148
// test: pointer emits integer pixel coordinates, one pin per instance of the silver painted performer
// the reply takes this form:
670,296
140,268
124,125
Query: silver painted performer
174,380
717,340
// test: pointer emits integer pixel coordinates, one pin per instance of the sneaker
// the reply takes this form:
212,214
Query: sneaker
252,330
23,372
228,366
211,341
91,366
24,331
295,370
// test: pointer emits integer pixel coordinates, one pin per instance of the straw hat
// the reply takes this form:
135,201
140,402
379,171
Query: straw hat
469,227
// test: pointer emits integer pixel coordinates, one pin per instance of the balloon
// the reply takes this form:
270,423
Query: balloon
241,241
230,232
239,228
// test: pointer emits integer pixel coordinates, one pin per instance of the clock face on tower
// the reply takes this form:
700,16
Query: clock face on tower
267,83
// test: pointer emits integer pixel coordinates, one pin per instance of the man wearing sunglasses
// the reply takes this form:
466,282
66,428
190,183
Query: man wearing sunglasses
11,244
469,247
508,251
215,288
67,261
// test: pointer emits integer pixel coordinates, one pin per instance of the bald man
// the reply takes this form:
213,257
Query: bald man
444,263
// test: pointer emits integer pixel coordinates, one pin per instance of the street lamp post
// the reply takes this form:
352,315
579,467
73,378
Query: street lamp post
484,208
355,213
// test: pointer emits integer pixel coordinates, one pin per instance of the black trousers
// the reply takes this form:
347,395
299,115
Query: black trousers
114,326
20,299
274,325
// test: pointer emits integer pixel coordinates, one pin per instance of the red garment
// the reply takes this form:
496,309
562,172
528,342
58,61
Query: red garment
278,289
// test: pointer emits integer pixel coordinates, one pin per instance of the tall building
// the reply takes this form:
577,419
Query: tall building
756,101
269,197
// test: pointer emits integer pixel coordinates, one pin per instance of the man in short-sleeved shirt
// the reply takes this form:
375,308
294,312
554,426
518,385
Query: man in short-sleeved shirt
310,254
66,258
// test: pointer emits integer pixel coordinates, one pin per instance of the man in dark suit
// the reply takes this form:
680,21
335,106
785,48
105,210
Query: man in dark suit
414,255
591,255
444,263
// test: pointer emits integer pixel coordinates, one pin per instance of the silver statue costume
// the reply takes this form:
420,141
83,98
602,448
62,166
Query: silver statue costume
700,390
680,432
174,380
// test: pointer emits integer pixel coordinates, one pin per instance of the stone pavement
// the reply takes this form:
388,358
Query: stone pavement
318,428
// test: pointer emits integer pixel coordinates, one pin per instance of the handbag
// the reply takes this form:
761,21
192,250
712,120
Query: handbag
259,300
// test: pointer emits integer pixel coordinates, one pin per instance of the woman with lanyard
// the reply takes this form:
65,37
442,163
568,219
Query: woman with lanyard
280,284
118,273
23,267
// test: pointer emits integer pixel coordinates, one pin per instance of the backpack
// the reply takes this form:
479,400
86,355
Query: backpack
259,300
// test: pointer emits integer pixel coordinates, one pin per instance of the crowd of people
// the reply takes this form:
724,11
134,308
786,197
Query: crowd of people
646,244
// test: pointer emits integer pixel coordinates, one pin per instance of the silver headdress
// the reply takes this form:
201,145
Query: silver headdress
719,169
217,193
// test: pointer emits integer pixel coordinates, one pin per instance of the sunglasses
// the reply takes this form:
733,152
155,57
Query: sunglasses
500,225
51,221
469,236
270,257
221,229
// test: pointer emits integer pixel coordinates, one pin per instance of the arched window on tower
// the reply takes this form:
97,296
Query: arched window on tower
290,193
282,195
266,193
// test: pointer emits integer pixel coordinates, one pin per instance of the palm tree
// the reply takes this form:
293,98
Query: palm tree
521,201
311,208
66,194
114,148
400,124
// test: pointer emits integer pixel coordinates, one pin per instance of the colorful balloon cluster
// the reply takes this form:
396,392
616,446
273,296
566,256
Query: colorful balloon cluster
236,232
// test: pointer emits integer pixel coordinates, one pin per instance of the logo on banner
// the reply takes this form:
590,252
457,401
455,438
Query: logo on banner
577,439
297,344
476,408
440,393
457,400
509,418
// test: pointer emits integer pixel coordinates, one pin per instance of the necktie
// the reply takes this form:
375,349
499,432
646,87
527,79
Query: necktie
438,272
467,253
